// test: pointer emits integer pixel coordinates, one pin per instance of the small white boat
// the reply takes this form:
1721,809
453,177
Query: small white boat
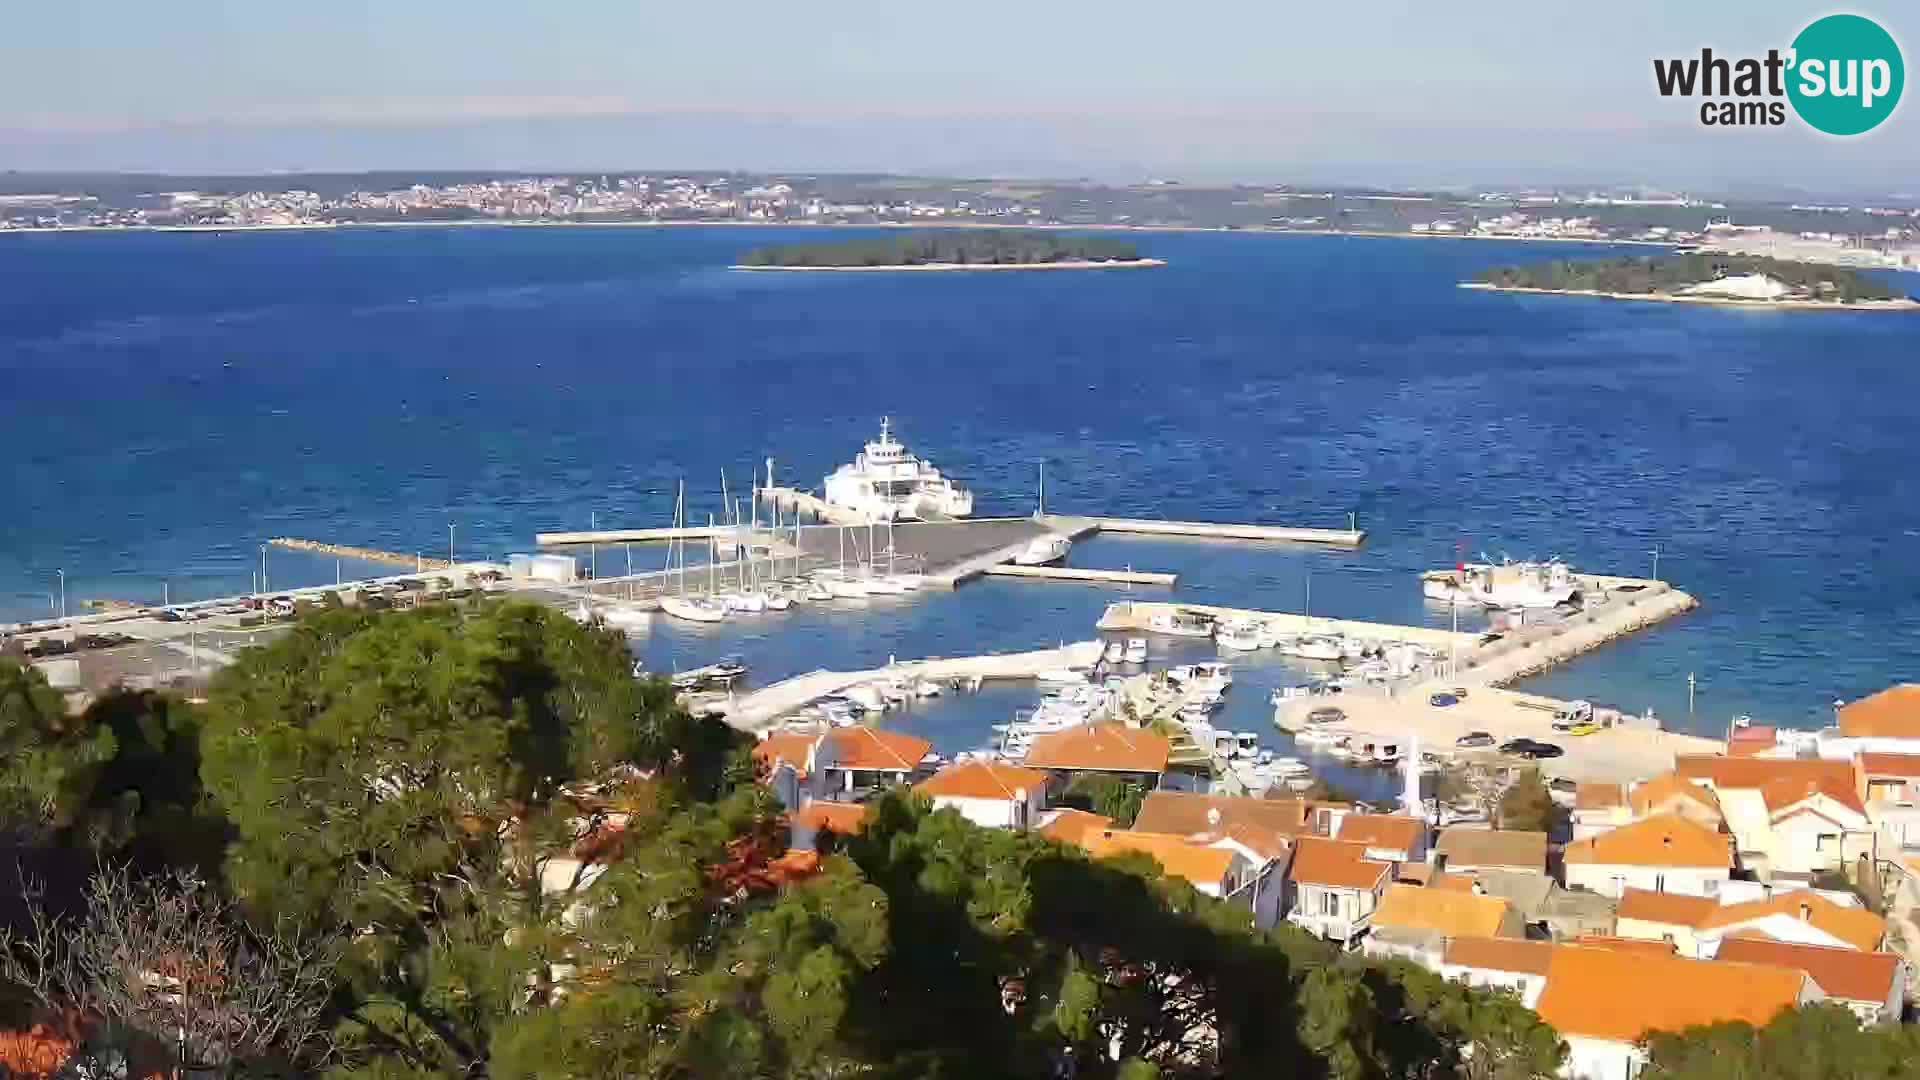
1238,637
1042,550
694,608
623,617
1289,767
926,688
846,588
1215,676
1062,677
751,603
1136,650
818,591
1268,633
867,696
909,582
1181,624
1316,647
778,599
1115,652
882,585
1386,753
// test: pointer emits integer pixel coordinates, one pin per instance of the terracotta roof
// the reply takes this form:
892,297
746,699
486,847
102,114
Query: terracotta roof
1905,766
1661,840
1621,996
1100,748
1336,863
1671,909
1840,973
1788,791
1393,831
1188,814
870,748
1750,740
1645,796
1178,856
843,818
983,780
1499,954
1263,842
1858,927
792,747
1443,911
1598,796
1626,944
1066,826
1463,846
1452,882
1893,713
1747,772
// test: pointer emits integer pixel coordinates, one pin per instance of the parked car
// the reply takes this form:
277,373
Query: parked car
1441,701
1585,727
1326,715
1562,785
1475,738
1531,749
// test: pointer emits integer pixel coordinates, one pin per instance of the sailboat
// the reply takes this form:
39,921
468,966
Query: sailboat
907,581
876,581
680,605
838,582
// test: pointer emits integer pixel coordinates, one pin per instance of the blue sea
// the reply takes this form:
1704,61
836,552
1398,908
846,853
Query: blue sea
169,401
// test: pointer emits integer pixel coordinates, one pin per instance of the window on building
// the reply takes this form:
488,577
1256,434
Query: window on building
1329,902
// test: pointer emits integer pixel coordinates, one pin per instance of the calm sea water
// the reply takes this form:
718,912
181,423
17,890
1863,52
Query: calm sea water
169,401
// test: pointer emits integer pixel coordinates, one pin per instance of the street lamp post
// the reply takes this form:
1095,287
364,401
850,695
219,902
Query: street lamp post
449,543
63,592
264,586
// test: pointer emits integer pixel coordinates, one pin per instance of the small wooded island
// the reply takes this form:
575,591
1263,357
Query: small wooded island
951,249
1701,278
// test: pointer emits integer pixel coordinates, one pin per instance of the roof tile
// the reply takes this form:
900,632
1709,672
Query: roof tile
1443,911
1893,713
1100,748
1499,954
1840,973
1661,840
983,780
861,747
1463,846
1337,864
1622,996
1395,831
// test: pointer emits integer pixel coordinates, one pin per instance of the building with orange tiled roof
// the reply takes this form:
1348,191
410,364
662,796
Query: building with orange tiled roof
1887,778
1391,837
1603,1002
1211,870
1671,793
991,794
1102,748
1794,816
1871,984
1189,813
1067,825
1626,944
1598,808
822,816
1333,887
1510,964
1415,923
850,760
1892,715
1698,926
1664,853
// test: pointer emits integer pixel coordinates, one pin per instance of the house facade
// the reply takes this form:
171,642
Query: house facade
993,795
1664,853
1333,888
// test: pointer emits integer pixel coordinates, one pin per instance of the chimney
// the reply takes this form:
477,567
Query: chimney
1213,817
1806,911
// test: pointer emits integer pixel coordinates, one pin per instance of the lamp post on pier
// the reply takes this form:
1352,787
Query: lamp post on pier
63,592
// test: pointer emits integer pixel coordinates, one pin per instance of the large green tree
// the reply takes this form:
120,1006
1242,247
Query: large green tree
50,759
1816,1042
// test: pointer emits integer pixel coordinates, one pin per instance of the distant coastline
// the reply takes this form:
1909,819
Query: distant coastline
1714,301
1063,264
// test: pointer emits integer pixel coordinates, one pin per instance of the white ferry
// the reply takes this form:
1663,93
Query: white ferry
886,483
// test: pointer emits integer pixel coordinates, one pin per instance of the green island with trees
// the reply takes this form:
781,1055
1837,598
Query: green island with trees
463,841
949,249
1690,277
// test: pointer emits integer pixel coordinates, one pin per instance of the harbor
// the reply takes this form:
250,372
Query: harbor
891,539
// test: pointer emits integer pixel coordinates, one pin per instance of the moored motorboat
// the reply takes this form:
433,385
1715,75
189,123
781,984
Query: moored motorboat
1237,637
694,608
1042,550
1136,650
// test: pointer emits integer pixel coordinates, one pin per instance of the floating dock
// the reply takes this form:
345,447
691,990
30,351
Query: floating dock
584,538
1136,616
762,708
1081,573
1531,650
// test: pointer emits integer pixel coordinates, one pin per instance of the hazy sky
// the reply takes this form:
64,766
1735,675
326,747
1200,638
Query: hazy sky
1123,89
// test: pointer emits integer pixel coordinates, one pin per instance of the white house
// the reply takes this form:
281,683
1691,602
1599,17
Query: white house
1333,888
1873,985
1387,837
1794,816
989,793
1698,926
1604,1002
1510,964
1663,853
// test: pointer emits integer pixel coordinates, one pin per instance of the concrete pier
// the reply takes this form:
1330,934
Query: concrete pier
419,562
1348,538
1081,573
762,708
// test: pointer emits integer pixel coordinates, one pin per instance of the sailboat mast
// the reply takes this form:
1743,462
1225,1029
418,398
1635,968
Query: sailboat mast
713,552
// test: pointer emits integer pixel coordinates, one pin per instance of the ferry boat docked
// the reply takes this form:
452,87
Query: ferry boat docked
885,482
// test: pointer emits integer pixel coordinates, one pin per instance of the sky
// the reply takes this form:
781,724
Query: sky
1386,92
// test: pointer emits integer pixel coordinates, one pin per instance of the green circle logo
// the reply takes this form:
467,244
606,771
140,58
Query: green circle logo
1846,75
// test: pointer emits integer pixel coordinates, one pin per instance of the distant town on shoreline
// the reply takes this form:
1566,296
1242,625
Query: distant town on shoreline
1874,235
